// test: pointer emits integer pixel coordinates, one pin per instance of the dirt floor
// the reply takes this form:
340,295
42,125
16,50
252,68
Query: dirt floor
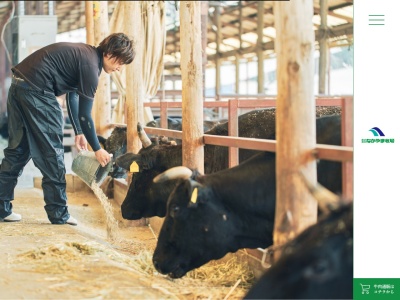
39,260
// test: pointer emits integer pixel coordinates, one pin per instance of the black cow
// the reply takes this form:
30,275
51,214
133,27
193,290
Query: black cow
148,199
317,264
234,208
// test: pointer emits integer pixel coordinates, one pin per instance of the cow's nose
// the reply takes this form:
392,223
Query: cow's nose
156,265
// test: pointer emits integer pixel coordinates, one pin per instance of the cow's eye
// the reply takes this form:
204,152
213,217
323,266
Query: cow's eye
320,270
320,266
174,211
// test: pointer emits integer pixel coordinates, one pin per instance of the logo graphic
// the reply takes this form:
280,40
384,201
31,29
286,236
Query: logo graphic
381,138
376,131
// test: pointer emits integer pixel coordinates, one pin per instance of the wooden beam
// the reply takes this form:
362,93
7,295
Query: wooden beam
346,29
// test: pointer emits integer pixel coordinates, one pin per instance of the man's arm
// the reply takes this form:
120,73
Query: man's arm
86,122
87,125
73,109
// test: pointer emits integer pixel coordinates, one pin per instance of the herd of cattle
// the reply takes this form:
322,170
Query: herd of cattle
226,209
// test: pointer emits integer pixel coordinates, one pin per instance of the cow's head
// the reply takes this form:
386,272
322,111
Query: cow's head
145,198
116,145
318,264
193,214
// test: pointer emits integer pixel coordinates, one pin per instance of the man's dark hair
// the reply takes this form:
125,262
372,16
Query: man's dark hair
119,46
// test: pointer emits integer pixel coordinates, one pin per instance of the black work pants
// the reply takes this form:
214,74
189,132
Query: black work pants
35,124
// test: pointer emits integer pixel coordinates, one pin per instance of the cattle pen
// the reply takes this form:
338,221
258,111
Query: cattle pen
117,252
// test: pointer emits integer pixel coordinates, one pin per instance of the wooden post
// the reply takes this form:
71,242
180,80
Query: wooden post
89,22
237,56
260,54
218,34
29,8
347,140
323,47
240,26
204,22
192,104
102,99
39,8
134,82
237,69
295,208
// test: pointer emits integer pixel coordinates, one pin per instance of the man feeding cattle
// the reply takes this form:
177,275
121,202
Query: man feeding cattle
35,119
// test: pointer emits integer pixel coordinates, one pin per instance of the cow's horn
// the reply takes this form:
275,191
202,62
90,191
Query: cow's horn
325,198
174,173
143,136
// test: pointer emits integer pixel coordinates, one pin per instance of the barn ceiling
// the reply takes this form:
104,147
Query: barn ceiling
71,16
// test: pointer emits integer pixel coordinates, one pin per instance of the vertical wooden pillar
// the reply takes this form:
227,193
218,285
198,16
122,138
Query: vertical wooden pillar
260,55
89,22
237,73
347,140
237,56
218,34
323,47
102,100
134,79
29,8
296,132
247,77
192,104
39,8
204,22
240,24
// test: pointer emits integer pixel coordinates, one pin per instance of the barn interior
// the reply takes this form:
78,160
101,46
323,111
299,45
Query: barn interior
238,49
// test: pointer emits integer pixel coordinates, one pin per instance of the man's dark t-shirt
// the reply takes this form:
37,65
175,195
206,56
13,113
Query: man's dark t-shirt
63,67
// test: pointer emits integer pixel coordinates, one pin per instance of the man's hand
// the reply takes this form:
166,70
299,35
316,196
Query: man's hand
103,157
81,142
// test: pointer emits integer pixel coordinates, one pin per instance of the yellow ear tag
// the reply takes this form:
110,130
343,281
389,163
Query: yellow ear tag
193,199
134,168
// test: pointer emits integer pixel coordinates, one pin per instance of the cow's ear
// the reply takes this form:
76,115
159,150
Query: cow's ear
125,161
